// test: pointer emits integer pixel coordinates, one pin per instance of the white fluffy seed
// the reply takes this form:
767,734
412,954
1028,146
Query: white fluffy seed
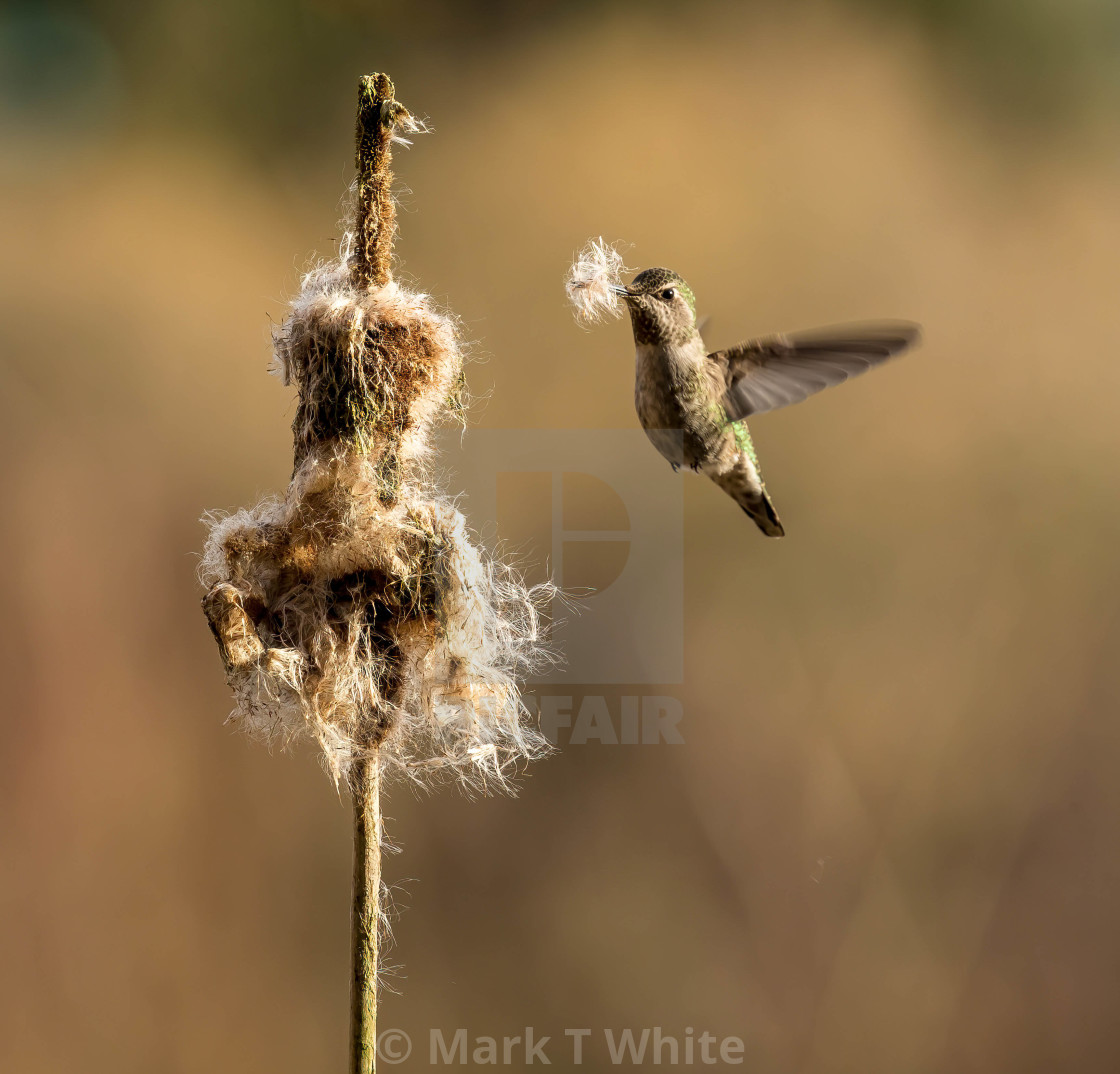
592,281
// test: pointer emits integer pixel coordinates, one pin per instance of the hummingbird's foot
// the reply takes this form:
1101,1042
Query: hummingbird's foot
676,467
696,468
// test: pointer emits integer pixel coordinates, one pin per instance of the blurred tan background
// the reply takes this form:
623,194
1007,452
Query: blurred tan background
889,842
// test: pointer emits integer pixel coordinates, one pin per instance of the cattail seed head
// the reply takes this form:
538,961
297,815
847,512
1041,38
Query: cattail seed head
355,609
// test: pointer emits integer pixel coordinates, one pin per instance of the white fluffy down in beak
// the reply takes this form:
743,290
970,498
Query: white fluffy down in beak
594,282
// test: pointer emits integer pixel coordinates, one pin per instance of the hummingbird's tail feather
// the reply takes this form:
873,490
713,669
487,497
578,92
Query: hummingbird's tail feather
765,517
744,485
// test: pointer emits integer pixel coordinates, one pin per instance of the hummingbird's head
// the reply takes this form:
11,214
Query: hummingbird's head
662,307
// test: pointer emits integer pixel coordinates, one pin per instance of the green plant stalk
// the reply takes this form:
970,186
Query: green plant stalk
365,780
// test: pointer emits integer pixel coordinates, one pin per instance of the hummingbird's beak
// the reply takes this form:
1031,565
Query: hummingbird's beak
622,292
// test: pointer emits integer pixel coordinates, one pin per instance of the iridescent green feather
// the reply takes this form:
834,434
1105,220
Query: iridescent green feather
743,439
689,297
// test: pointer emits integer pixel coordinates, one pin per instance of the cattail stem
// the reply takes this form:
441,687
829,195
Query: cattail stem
378,113
370,267
364,788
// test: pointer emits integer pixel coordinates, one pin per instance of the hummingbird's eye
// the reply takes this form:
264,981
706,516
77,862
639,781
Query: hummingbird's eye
669,294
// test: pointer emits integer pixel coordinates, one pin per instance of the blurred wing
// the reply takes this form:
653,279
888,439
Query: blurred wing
765,374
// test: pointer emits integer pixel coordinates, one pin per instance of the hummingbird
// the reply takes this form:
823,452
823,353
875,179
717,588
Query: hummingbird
693,404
